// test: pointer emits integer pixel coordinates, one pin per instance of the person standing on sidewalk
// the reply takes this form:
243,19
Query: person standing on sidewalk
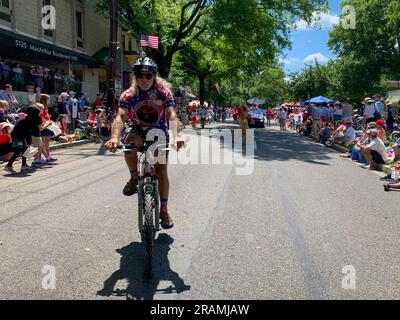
282,115
317,122
46,119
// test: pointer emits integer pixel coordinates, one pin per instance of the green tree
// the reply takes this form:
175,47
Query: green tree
370,52
242,32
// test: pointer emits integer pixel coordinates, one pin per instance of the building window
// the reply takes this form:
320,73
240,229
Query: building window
47,32
79,29
5,10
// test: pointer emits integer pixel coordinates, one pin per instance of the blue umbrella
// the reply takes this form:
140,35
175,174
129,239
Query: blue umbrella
319,99
255,101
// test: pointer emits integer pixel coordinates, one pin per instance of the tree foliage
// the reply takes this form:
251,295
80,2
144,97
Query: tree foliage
370,52
216,39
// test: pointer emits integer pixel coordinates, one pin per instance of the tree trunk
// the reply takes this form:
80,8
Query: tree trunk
164,65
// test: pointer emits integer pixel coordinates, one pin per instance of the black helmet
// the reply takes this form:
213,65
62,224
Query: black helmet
145,63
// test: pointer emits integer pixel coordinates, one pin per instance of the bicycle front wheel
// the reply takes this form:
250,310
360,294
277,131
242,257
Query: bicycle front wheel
148,234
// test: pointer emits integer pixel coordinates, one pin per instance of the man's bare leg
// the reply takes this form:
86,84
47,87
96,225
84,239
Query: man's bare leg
163,188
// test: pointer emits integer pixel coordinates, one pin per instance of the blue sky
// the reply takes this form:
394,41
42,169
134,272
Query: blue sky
311,43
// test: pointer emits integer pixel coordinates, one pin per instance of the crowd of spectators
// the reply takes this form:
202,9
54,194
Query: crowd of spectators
28,130
51,81
370,133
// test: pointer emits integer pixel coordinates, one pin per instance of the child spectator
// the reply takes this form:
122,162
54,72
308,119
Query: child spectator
326,133
64,111
3,111
31,95
46,119
5,140
36,138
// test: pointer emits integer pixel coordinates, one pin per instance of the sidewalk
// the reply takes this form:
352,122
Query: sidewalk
383,168
62,146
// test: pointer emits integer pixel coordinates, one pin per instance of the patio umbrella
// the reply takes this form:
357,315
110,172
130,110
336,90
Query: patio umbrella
255,101
319,99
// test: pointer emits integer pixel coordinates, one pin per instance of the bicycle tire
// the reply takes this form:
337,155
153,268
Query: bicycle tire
148,234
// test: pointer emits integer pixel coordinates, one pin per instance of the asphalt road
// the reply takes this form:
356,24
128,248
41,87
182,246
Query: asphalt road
286,230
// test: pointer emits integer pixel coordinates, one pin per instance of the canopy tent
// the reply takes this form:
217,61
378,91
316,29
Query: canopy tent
319,99
255,101
395,100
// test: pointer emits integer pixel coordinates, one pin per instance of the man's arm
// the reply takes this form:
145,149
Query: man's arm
174,127
116,130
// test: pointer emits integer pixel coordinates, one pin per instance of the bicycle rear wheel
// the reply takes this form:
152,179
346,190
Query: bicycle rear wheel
148,234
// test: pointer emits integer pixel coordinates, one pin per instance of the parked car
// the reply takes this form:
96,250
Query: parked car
256,118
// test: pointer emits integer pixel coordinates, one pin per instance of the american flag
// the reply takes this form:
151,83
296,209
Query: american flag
149,41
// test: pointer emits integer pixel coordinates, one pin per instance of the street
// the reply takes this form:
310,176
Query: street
286,231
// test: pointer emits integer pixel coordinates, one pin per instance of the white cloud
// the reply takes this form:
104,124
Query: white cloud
289,61
323,20
316,56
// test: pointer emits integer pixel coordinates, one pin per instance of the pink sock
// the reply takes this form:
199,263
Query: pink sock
164,206
134,173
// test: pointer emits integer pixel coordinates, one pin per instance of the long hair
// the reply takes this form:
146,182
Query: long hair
44,100
160,83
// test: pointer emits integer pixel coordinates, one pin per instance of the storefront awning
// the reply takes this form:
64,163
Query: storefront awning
393,100
17,45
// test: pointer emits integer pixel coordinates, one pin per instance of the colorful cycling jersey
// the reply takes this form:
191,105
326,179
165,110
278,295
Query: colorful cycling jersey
148,108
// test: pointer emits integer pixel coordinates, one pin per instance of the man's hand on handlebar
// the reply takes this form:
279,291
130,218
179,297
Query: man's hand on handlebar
179,143
112,144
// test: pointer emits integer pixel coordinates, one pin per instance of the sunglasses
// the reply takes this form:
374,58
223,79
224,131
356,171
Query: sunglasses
148,76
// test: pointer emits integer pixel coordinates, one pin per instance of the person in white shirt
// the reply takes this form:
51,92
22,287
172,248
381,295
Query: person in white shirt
317,122
375,152
369,110
347,111
282,115
32,96
346,136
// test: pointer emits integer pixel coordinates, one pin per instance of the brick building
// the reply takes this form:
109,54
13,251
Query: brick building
78,44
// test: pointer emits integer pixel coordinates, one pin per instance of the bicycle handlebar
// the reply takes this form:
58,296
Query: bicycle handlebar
131,147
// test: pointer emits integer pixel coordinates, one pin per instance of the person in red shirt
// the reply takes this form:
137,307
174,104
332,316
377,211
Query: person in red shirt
99,101
5,140
46,120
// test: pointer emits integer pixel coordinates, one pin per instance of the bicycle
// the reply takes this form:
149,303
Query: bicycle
148,198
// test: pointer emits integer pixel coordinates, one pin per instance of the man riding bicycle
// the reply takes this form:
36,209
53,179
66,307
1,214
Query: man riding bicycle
150,103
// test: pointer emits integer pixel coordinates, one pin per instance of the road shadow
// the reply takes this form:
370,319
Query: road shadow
131,268
273,145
